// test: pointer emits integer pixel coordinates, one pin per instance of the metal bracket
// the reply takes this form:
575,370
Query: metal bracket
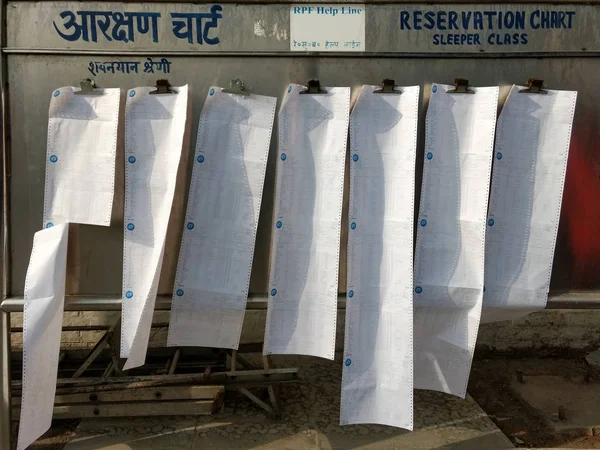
236,87
387,87
534,86
461,86
314,88
88,88
163,87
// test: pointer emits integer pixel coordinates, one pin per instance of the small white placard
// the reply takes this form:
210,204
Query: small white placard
327,28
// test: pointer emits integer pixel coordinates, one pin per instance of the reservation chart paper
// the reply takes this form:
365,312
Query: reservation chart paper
532,148
450,246
42,325
377,377
313,131
215,261
154,128
80,159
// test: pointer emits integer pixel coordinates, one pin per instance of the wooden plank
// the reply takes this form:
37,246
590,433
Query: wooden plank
138,395
193,408
141,395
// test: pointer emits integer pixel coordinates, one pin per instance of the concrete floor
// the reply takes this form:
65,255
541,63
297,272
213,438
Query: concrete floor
310,421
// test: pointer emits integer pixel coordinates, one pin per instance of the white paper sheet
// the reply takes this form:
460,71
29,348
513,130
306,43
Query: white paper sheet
42,324
532,147
450,248
154,128
215,261
313,130
80,160
377,378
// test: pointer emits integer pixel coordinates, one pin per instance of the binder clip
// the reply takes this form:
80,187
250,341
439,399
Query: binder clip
163,87
88,87
314,87
387,87
461,86
534,86
236,87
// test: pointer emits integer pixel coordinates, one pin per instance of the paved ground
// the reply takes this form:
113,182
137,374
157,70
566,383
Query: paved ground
310,421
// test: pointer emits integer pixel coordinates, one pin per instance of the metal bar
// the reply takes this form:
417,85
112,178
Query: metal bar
290,54
5,409
563,300
369,2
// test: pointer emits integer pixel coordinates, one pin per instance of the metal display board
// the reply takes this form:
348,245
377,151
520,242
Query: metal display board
49,44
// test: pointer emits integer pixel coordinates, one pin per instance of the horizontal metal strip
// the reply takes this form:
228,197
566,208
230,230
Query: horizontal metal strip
368,2
566,300
288,54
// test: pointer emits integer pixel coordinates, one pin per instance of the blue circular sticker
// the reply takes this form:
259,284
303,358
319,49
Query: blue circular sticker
348,362
283,156
418,289
131,159
129,294
212,92
355,158
353,225
56,93
350,293
53,158
273,292
179,292
423,222
429,156
499,155
434,89
49,225
290,89
200,159
491,222
279,224
190,225
132,93
130,226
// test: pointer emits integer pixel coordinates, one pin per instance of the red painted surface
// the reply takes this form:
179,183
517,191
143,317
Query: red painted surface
580,218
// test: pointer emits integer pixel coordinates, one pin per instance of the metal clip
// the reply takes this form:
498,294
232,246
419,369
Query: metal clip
87,88
314,87
236,87
534,86
387,87
461,86
163,87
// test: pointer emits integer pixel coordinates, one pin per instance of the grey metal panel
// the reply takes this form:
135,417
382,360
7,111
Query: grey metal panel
32,79
391,28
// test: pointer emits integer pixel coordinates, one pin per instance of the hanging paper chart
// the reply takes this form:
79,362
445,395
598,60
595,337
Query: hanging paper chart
450,246
303,287
154,128
377,377
532,148
215,261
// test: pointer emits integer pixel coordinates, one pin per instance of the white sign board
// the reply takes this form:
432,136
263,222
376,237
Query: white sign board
327,28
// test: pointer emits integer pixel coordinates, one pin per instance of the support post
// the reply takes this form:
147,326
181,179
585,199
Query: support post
5,400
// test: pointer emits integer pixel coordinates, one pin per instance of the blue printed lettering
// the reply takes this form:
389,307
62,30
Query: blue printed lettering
88,26
430,20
